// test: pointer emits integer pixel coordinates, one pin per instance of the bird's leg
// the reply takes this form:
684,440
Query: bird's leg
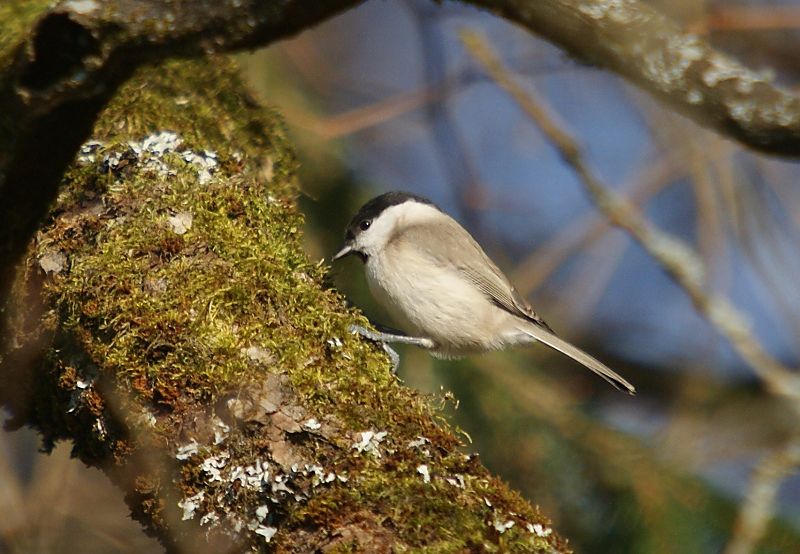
384,335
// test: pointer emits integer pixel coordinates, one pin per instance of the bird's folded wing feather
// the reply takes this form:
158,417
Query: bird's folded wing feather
455,248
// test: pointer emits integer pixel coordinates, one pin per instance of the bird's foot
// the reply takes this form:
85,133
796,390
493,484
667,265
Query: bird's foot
383,338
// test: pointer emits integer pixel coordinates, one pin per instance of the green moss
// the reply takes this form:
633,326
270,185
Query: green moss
16,18
430,517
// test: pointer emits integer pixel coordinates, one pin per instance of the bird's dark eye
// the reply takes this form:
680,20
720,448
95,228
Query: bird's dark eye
364,225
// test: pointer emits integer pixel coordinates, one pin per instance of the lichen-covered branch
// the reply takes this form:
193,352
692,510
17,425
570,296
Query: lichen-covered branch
168,323
642,45
678,259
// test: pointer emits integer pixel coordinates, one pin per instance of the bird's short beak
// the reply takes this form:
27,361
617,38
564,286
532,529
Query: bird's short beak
343,252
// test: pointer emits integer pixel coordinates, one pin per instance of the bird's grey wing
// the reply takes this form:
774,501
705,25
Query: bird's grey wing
456,248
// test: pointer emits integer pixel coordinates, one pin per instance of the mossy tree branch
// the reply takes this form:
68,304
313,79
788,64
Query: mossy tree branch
59,67
168,324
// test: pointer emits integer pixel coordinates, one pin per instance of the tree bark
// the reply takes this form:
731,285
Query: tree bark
642,45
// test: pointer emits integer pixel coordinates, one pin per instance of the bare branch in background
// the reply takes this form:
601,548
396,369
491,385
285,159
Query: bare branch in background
636,41
759,504
542,262
677,258
750,18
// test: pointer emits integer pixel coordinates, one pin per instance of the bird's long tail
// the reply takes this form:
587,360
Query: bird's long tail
579,356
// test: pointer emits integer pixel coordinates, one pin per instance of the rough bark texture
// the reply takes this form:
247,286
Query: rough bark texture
639,43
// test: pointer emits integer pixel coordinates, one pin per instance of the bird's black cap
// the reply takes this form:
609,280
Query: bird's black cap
377,205
370,211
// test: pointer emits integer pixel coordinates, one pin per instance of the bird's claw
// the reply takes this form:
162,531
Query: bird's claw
385,337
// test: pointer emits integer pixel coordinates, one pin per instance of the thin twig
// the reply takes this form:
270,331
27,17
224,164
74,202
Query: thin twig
677,258
758,507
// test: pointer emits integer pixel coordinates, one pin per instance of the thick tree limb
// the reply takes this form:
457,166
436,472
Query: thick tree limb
639,43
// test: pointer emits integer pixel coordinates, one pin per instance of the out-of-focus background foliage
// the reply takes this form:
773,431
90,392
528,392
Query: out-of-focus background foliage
386,97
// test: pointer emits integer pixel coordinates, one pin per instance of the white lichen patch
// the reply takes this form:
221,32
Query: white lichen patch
539,530
86,154
419,443
147,417
213,465
258,355
205,162
502,526
158,143
694,96
211,519
149,154
457,481
369,442
280,485
99,429
669,65
82,7
53,262
269,484
335,343
262,511
181,222
721,68
190,505
187,450
221,430
312,424
253,476
620,11
266,532
423,470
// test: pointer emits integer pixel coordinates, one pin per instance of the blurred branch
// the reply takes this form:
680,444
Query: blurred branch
750,18
537,266
449,144
656,477
759,504
636,41
677,258
358,119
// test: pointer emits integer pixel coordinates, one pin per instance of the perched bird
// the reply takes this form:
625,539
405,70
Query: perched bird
442,288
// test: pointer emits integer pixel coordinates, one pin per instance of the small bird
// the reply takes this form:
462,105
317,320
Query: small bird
442,288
